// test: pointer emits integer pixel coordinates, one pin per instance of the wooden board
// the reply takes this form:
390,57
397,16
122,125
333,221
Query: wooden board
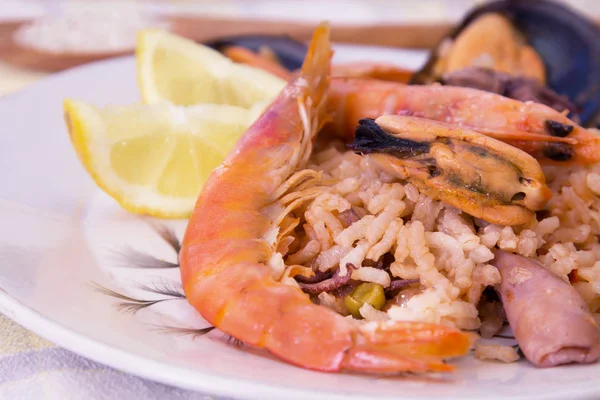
203,29
407,36
30,58
206,28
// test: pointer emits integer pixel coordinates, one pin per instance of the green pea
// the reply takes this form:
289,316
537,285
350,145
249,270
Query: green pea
367,292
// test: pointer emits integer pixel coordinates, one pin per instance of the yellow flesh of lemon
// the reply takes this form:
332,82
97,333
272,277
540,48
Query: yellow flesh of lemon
154,159
183,72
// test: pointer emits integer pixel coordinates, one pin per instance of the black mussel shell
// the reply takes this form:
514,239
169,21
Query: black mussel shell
568,43
289,51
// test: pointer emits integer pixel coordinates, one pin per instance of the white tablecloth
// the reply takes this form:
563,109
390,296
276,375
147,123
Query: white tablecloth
32,368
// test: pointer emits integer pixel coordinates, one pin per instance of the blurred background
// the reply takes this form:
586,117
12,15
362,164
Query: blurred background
38,37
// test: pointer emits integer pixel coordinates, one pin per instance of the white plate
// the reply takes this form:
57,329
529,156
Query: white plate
59,234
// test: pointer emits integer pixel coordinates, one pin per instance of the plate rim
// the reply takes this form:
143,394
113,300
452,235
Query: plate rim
205,383
103,353
180,377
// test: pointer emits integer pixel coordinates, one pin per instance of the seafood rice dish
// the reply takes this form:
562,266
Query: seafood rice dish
382,227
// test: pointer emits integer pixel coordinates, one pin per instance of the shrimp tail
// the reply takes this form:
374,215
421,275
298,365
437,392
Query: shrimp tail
392,347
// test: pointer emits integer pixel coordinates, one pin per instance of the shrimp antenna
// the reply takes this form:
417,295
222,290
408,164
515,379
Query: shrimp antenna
166,288
133,258
237,343
131,304
168,235
194,332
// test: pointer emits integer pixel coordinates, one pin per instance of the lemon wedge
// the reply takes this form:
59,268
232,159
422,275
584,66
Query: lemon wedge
176,69
154,158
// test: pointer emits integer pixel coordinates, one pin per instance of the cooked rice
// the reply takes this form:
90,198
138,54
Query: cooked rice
505,354
367,213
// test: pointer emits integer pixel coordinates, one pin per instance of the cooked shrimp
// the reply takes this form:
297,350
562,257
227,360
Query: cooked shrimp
267,60
546,134
477,174
268,63
231,237
381,71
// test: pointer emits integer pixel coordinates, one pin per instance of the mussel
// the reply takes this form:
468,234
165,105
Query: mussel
546,35
484,177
